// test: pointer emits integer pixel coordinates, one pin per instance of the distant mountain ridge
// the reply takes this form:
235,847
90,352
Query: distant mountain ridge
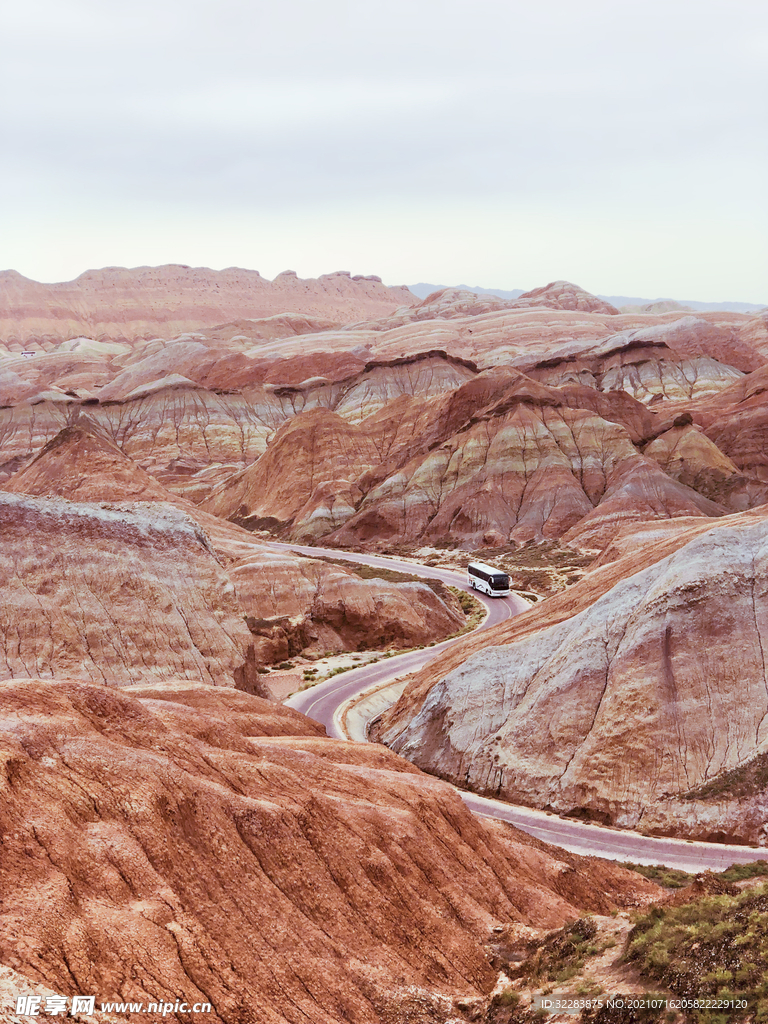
119,303
422,290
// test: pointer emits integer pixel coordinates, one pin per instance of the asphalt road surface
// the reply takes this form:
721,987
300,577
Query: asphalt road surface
322,701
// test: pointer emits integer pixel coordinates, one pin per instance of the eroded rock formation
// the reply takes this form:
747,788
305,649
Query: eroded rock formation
196,843
161,302
640,699
289,603
461,417
501,453
116,595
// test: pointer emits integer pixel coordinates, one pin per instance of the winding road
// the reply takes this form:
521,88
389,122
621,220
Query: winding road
324,701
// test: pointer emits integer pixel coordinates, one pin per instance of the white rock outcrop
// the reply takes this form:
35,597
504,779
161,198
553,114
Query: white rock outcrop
648,709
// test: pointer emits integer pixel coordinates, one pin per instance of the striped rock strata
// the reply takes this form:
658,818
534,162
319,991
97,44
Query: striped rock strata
640,698
289,603
151,302
185,842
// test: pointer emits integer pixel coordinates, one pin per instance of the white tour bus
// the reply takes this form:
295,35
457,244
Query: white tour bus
491,581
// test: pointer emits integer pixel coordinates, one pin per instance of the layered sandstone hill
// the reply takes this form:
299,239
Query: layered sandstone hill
502,453
564,295
524,336
736,420
116,595
379,417
400,449
638,698
450,303
290,604
190,843
149,302
192,416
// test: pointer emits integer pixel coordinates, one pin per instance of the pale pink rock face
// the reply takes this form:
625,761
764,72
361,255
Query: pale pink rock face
638,698
116,594
161,302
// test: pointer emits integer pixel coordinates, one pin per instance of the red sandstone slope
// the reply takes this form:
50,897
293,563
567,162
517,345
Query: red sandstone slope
502,456
163,301
193,843
289,603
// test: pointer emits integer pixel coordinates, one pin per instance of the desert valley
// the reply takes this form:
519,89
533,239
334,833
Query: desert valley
190,461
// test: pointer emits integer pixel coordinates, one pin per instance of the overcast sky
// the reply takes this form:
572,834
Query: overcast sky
621,145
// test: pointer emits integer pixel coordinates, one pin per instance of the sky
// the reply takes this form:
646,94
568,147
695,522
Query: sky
619,145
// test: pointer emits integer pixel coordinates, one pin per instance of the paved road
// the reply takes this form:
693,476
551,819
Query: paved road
321,702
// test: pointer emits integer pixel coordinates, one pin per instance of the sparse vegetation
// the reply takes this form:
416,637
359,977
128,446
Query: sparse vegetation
588,987
561,955
542,569
668,878
740,872
536,570
373,572
673,878
743,781
286,665
507,997
471,607
715,946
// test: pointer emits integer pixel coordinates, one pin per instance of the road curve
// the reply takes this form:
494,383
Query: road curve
321,703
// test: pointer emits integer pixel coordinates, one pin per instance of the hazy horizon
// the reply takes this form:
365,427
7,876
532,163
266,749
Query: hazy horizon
420,288
617,147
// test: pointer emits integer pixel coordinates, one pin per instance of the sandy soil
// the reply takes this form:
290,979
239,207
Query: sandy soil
284,682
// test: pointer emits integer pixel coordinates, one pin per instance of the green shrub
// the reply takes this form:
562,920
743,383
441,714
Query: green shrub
714,946
669,878
561,955
507,997
673,878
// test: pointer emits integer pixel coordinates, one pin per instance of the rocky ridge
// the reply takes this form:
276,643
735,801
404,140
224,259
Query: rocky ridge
500,456
152,302
289,604
164,843
624,700
209,415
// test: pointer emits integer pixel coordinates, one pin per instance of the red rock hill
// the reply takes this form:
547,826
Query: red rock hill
150,302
